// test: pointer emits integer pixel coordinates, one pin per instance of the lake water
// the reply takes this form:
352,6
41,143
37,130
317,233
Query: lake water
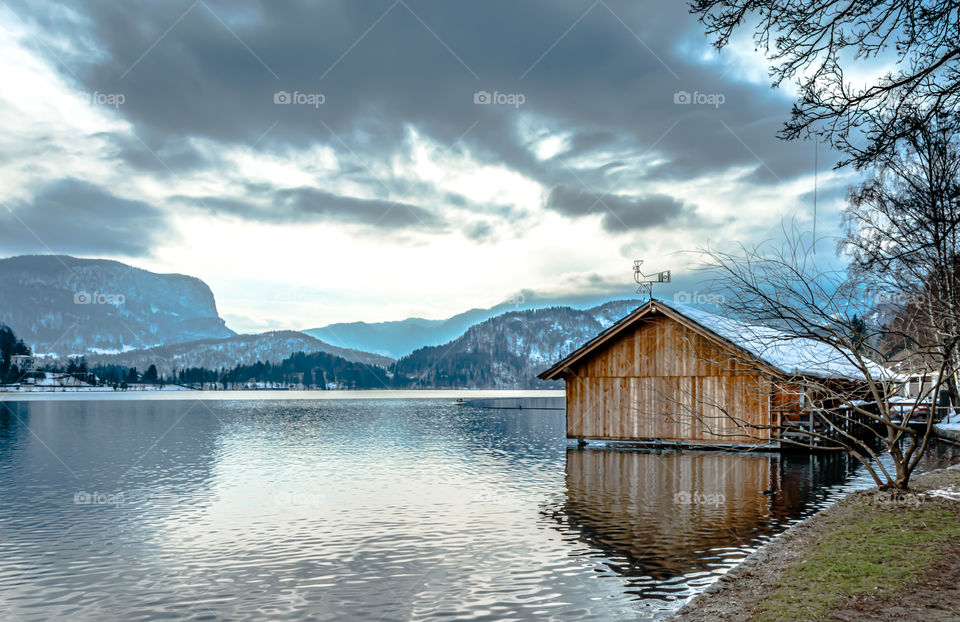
381,509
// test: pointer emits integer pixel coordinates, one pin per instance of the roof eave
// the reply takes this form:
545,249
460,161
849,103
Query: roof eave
553,372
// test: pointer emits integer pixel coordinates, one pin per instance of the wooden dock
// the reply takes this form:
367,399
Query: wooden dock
516,403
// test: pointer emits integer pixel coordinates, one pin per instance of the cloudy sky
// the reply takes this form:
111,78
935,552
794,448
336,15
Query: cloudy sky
347,160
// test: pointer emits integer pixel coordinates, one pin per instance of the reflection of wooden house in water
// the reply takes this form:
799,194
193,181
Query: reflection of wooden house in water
671,520
672,373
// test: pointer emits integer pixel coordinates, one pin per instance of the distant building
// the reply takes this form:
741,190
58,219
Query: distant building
678,374
24,362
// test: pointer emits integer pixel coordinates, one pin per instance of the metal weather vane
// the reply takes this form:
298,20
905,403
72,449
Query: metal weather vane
646,281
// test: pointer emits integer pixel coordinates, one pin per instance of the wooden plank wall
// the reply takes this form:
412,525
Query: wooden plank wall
662,380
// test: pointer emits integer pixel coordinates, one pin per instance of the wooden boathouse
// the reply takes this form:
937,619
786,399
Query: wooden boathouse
673,374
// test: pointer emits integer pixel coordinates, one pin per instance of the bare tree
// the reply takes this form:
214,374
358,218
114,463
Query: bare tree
814,43
845,397
903,235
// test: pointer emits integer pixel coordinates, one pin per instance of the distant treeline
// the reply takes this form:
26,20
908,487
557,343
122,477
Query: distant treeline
454,366
10,346
316,370
429,367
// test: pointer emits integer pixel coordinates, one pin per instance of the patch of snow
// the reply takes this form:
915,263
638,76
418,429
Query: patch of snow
951,492
952,419
121,350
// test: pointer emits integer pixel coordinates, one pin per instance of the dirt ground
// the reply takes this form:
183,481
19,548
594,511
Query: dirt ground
934,597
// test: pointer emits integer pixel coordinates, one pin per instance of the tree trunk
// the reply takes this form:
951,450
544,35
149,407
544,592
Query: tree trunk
952,395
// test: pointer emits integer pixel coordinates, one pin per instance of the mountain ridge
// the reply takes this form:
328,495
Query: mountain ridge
399,338
65,305
509,350
116,314
247,349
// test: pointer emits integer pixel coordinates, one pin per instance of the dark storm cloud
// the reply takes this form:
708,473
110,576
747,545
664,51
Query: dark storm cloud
308,203
620,213
581,290
99,223
159,156
298,205
613,83
601,81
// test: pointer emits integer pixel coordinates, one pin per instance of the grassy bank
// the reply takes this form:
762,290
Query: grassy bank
871,556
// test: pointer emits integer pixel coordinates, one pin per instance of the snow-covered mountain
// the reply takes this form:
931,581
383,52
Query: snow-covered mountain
398,338
68,305
508,351
117,314
239,349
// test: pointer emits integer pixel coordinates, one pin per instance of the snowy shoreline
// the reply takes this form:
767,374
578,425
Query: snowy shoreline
107,393
91,389
949,429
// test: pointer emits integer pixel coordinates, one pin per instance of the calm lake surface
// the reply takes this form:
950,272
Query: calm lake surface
382,509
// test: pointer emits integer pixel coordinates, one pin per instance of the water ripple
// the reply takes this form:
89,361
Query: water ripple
367,509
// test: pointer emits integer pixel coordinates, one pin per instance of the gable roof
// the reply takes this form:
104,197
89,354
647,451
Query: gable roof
777,351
